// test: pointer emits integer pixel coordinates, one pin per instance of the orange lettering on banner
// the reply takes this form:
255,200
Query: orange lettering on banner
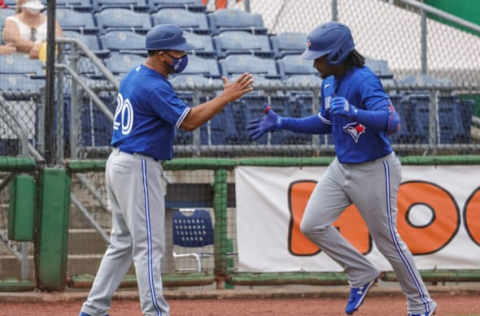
435,235
350,223
472,216
298,243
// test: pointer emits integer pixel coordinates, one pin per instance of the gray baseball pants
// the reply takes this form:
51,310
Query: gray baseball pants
136,193
372,187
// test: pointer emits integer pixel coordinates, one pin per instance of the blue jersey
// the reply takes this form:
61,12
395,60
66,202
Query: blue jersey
355,142
147,113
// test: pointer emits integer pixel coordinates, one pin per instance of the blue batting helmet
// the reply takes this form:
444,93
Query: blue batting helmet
168,37
332,39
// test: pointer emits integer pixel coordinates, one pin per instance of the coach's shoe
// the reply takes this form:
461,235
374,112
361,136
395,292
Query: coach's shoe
357,296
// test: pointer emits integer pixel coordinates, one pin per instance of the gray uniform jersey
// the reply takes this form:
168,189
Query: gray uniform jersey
136,193
338,188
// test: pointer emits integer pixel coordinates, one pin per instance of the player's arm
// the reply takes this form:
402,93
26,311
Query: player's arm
201,113
379,113
271,121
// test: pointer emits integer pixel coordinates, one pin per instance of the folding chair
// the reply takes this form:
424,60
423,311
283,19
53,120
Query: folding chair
192,231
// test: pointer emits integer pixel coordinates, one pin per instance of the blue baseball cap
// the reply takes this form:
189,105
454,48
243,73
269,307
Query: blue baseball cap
332,39
168,37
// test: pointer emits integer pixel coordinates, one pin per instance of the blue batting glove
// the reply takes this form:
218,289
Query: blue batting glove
268,123
341,106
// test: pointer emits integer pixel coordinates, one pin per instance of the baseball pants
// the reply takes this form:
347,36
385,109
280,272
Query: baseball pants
372,187
136,193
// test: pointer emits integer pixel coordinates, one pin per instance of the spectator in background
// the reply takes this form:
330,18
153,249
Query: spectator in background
27,29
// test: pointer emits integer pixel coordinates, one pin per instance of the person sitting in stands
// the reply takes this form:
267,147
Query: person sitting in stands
27,29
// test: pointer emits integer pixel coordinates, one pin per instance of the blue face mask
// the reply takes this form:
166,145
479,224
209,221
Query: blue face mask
179,64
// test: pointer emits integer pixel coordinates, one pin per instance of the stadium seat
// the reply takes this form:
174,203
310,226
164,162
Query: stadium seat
203,45
127,4
418,105
220,130
238,64
288,43
187,20
122,19
452,125
191,5
189,82
83,5
379,68
403,136
207,67
192,231
90,40
72,20
239,42
20,83
120,64
295,65
295,81
4,13
20,64
123,41
236,20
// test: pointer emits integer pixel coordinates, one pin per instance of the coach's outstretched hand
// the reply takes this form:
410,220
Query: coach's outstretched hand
237,89
268,123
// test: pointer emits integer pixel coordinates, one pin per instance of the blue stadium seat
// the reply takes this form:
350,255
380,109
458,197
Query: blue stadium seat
192,5
289,43
302,106
75,4
4,13
127,4
379,68
295,65
207,67
123,19
120,64
90,40
123,41
203,45
403,136
419,106
72,20
187,20
236,20
303,80
466,109
20,64
238,64
452,125
192,80
20,83
220,130
238,42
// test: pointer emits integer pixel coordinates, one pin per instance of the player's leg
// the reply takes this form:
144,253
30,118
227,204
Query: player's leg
327,202
117,259
147,223
376,200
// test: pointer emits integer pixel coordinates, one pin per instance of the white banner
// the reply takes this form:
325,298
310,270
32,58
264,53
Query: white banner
438,218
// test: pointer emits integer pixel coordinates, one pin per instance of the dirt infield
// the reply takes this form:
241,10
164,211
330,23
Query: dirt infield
450,304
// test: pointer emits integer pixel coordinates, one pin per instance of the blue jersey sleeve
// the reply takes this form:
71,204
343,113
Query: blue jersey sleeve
168,106
373,97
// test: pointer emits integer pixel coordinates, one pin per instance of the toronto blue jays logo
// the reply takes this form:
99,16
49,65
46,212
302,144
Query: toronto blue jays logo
355,130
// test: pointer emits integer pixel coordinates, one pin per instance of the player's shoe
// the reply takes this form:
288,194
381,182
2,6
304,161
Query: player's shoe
357,296
85,314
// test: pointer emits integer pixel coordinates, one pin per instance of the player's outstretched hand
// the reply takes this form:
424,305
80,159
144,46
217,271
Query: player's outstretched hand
237,89
268,123
341,106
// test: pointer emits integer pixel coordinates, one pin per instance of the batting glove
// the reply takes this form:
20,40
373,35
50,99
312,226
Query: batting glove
268,123
340,106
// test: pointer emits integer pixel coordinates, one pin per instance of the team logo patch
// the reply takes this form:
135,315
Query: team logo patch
355,130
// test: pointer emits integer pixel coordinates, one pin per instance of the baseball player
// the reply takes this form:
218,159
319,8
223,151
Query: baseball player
366,172
147,113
